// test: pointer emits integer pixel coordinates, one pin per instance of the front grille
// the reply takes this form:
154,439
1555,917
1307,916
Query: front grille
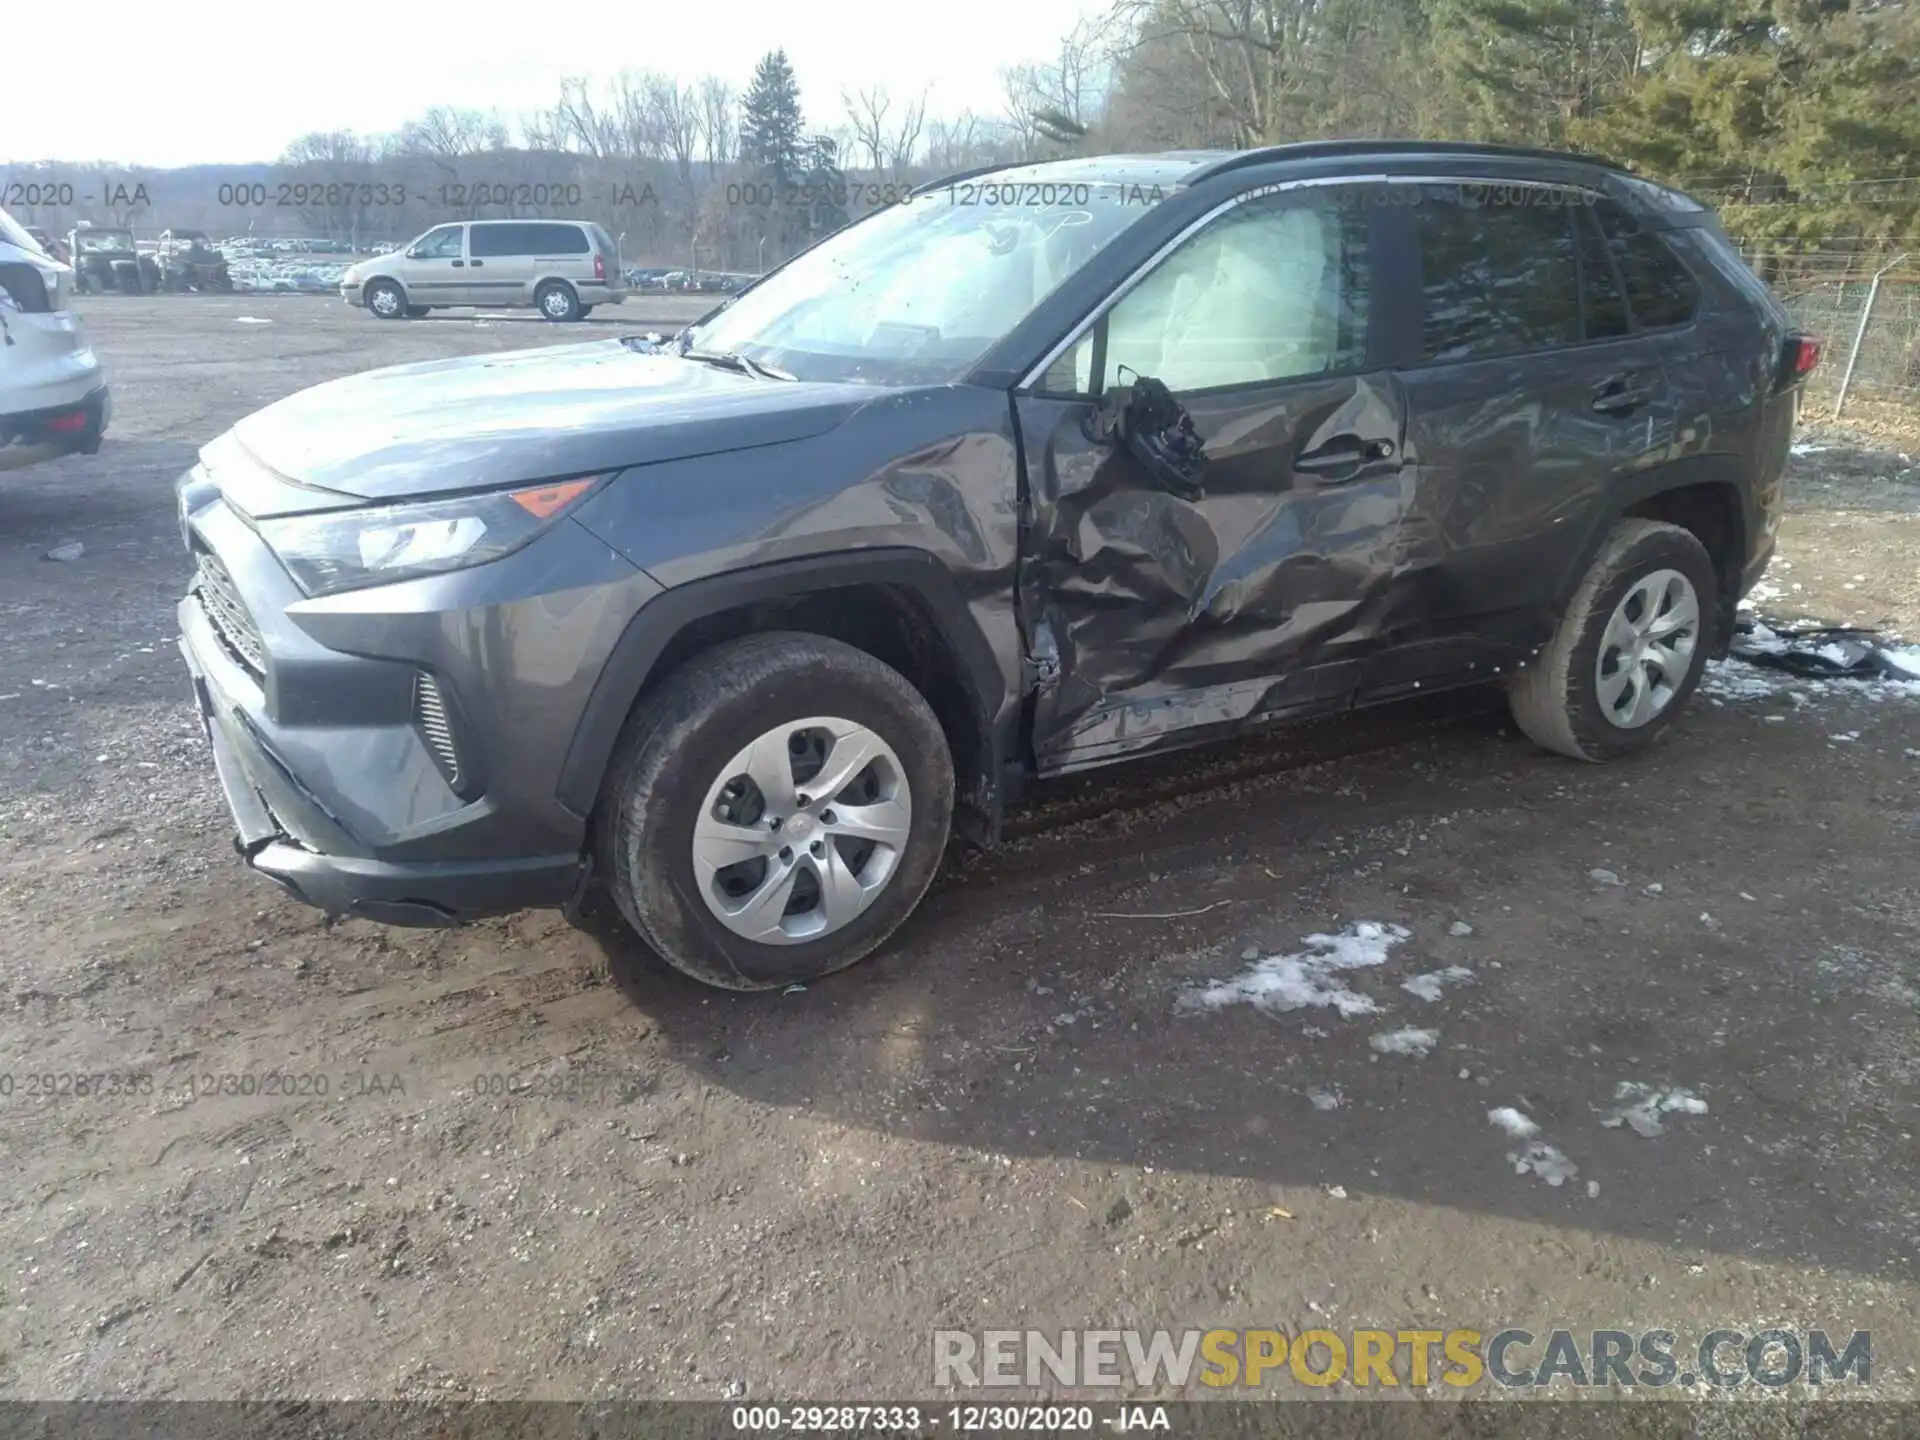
231,622
430,716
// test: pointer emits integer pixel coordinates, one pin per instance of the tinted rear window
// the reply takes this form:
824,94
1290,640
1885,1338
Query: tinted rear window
1660,289
1499,277
529,238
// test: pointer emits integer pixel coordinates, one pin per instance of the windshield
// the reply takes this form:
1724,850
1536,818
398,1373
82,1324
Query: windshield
918,292
95,242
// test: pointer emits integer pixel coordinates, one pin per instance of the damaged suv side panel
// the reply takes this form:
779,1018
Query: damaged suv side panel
1234,552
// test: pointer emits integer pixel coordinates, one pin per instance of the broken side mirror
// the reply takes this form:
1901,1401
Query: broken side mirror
1145,419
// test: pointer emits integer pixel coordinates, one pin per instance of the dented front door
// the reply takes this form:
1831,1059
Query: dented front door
1164,594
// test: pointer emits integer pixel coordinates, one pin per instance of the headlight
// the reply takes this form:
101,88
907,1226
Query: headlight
350,549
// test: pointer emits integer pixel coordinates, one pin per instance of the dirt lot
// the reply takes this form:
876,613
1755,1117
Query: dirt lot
1008,1120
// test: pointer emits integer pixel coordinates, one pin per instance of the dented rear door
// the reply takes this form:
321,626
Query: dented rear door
1161,603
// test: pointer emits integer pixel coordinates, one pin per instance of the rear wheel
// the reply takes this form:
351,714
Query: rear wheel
1628,653
414,312
385,300
557,302
776,809
584,312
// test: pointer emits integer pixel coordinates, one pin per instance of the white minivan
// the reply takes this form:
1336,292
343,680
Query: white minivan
53,392
562,268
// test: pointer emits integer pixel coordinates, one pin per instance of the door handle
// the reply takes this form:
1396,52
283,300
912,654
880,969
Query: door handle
1343,453
458,263
1619,395
476,263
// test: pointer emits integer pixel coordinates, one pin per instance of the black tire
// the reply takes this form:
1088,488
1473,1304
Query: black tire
557,300
1555,699
415,312
384,293
674,748
585,311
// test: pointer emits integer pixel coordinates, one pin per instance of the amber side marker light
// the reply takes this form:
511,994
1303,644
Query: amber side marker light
543,502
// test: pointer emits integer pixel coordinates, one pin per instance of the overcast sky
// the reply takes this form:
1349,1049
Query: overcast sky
241,81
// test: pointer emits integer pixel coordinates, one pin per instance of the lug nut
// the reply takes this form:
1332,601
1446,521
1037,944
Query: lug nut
826,817
819,848
786,852
803,801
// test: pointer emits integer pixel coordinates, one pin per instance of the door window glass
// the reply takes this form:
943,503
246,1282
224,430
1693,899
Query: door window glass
1659,288
1498,276
1275,289
1602,300
441,244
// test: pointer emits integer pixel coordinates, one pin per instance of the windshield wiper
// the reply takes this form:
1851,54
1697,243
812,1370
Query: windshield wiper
732,360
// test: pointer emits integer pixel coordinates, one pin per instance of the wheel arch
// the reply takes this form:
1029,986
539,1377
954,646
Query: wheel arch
901,605
1703,495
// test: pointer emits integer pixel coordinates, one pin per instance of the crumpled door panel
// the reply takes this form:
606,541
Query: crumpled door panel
1150,612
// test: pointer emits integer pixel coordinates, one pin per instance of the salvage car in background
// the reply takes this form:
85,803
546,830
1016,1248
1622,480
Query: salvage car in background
562,268
744,623
53,393
188,263
106,258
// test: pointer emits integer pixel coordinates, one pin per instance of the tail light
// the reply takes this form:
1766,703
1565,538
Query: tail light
1799,354
599,266
71,423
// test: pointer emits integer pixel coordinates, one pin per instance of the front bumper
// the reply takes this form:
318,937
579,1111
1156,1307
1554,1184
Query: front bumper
311,709
37,435
258,790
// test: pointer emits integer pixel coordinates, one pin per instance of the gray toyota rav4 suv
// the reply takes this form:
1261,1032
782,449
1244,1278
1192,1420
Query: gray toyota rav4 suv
1047,467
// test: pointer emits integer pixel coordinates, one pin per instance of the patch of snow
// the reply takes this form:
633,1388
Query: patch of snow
1308,980
1639,1107
1604,877
1513,1122
1428,986
1545,1161
250,320
1459,928
1406,1042
1324,1099
1904,658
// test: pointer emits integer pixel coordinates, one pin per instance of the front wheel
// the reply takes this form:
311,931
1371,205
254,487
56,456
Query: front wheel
1628,652
775,811
418,312
385,300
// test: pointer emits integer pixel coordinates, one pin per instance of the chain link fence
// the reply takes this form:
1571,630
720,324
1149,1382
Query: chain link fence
1868,319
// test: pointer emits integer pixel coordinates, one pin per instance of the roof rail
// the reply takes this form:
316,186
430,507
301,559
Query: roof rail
1329,149
929,186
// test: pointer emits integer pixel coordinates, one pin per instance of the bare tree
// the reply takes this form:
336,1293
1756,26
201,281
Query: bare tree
1254,55
904,138
447,132
867,114
719,135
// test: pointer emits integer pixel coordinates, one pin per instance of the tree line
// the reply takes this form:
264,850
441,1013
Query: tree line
1798,119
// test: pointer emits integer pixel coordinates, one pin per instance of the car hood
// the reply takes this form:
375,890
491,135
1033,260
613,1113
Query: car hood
485,421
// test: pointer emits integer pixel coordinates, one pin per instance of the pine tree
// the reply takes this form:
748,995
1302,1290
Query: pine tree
770,124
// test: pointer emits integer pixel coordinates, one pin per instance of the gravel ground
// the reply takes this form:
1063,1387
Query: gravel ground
1046,1105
